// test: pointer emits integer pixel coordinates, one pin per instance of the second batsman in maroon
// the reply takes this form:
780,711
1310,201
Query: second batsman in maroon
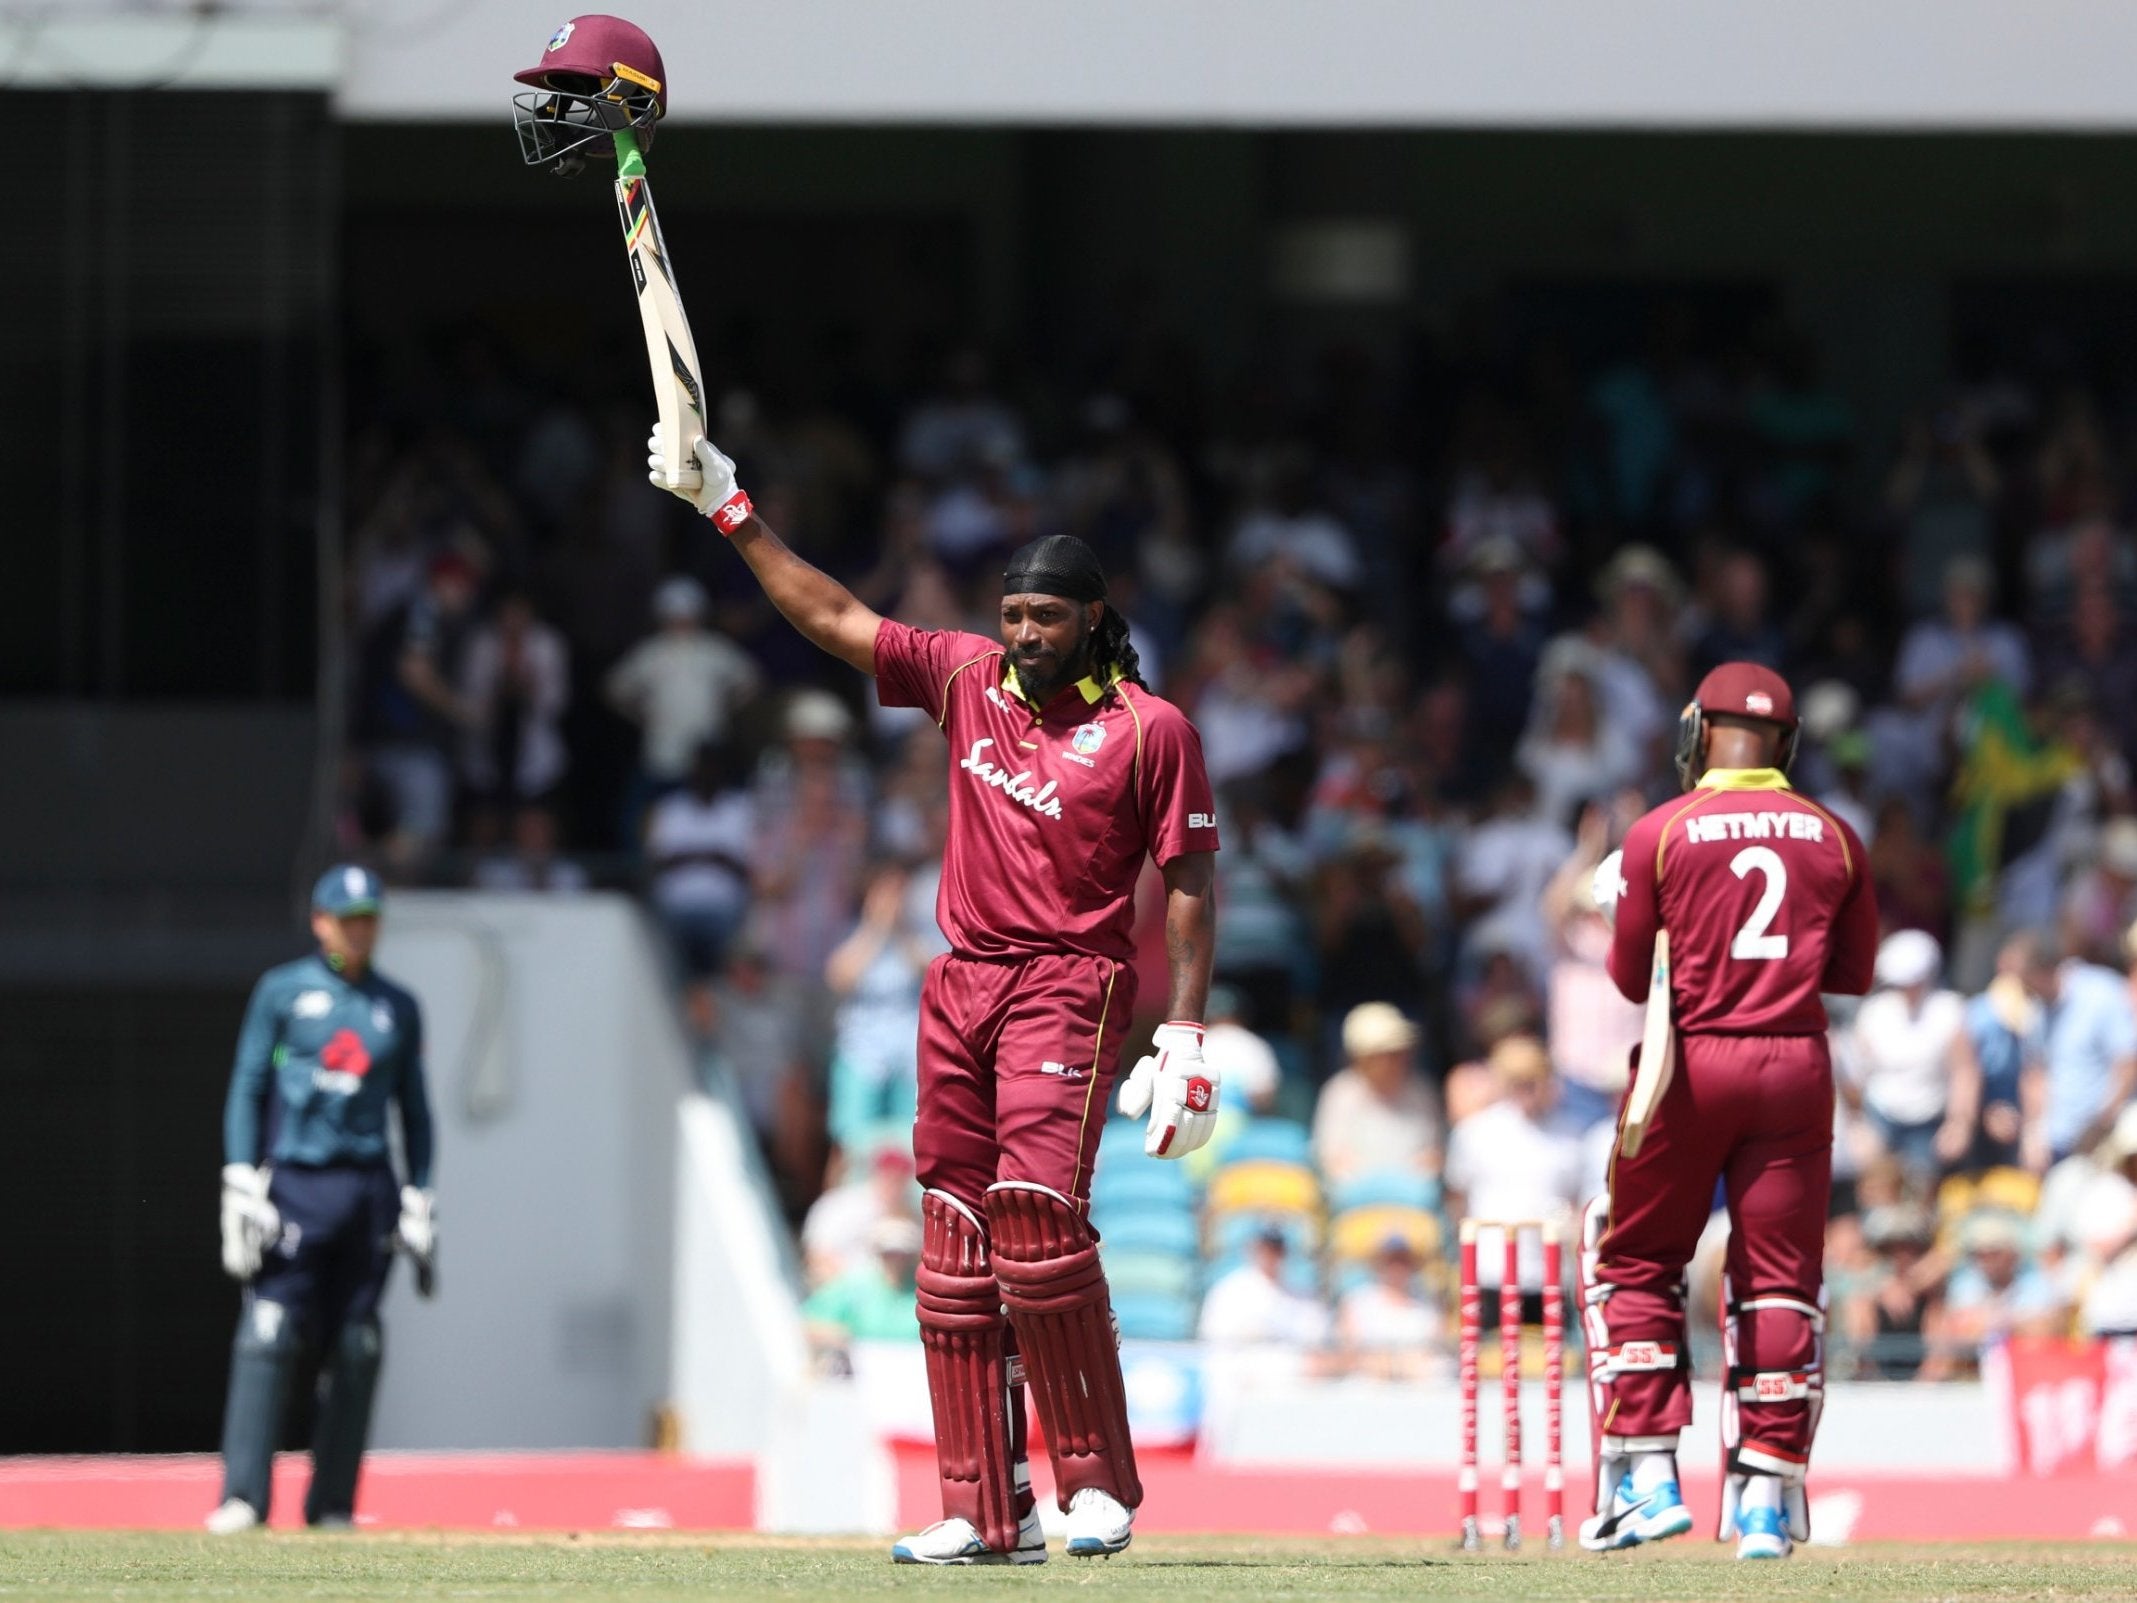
1065,774
1768,902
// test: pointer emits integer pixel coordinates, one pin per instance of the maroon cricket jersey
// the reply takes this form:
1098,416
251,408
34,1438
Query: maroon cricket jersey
1051,809
1768,901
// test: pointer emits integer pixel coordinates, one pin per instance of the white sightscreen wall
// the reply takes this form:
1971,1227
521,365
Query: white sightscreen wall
560,1083
1273,63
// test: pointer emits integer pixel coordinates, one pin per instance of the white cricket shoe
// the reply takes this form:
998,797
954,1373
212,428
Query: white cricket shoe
234,1516
1636,1518
1097,1524
958,1541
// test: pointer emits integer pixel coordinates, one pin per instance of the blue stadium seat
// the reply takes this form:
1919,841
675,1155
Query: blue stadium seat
1154,1274
1150,1230
1140,1182
1279,1139
1147,1316
1402,1187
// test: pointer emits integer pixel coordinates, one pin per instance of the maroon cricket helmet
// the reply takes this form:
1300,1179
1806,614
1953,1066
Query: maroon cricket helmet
598,75
1735,690
600,48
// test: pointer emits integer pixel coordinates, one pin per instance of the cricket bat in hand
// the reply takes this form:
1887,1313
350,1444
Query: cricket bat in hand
1658,1055
678,389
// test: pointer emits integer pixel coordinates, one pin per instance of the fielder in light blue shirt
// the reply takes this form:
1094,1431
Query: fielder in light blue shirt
2087,1042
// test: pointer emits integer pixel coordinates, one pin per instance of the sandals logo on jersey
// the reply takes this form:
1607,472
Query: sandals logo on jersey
1016,786
343,1063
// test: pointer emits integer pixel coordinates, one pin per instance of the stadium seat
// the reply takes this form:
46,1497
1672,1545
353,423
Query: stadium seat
1279,1140
1355,1236
1156,1274
1405,1187
1264,1185
1141,1184
1150,1230
1148,1316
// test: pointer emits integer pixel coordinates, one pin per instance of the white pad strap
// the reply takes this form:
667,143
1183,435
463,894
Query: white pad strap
1631,1357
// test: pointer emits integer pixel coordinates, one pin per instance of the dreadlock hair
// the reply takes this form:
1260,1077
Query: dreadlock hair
1111,649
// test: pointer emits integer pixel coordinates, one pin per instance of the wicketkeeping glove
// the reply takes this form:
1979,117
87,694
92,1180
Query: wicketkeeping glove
707,483
417,1234
1176,1088
250,1222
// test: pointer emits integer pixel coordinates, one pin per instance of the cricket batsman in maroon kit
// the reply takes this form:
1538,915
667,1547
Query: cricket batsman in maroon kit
1065,772
1768,903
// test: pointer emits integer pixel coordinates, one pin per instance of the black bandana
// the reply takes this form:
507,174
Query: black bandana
1055,565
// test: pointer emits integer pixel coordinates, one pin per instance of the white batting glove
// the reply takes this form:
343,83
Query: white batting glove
250,1223
1609,885
707,483
1176,1088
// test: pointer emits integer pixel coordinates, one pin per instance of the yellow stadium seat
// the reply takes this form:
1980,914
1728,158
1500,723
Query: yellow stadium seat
1263,1185
1357,1235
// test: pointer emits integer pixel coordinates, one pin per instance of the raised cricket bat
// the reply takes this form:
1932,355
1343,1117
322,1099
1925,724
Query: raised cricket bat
678,389
1658,1055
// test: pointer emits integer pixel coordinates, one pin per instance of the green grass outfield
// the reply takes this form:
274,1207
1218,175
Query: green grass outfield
1236,1570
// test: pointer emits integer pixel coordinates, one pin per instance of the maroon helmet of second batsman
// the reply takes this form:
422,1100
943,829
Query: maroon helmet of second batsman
597,74
1743,690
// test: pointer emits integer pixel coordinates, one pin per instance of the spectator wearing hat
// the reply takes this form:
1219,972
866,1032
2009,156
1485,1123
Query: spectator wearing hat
1639,661
698,843
1908,1039
1515,1157
2101,901
1376,1112
872,1301
1993,1294
681,685
1251,1306
867,1188
1572,752
1385,1327
812,835
1899,1297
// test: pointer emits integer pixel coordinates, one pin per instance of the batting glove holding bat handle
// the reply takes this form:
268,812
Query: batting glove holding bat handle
707,483
1176,1088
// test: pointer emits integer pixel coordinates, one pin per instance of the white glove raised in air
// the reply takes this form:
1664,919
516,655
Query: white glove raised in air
1609,885
1176,1088
251,1224
707,483
416,1233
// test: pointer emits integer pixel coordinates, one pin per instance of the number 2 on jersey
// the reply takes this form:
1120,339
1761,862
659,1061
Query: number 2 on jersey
1753,941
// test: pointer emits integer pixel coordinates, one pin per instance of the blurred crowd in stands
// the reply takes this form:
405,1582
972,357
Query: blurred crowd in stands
1433,609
